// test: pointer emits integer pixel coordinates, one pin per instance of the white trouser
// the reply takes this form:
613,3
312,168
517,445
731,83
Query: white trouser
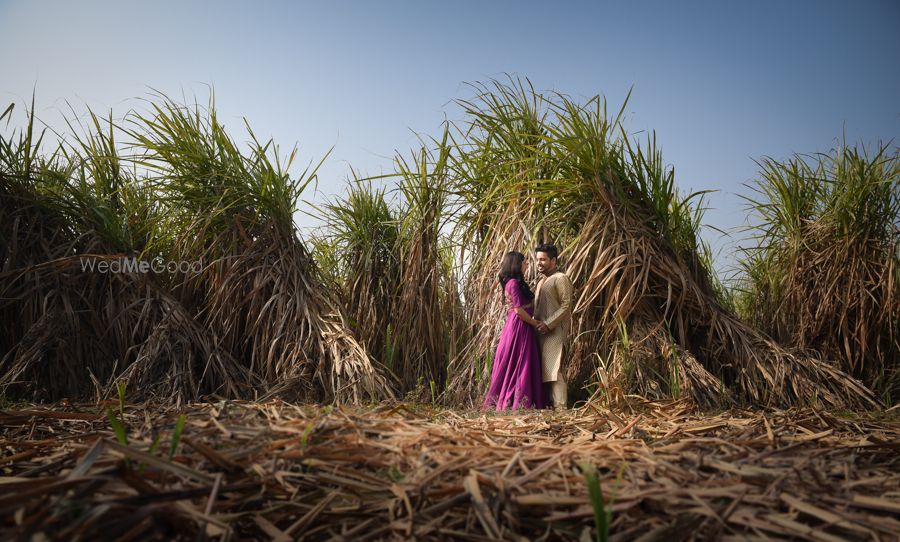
559,391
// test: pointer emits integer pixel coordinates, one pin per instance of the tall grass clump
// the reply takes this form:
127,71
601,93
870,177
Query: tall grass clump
393,262
258,291
70,331
358,251
536,167
249,314
425,302
823,271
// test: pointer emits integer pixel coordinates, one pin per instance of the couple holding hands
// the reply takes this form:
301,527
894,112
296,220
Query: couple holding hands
528,367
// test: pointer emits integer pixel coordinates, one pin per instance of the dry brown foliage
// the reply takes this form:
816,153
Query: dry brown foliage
280,471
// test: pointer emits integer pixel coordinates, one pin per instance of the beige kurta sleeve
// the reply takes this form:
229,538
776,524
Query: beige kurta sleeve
564,292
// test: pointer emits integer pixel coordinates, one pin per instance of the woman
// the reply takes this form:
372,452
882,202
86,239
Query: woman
516,372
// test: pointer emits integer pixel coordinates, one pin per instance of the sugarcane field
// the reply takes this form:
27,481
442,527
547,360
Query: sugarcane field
520,332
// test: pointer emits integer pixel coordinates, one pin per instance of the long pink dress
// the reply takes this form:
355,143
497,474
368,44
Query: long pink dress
516,373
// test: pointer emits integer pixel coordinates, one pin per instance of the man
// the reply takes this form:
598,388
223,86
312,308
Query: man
553,307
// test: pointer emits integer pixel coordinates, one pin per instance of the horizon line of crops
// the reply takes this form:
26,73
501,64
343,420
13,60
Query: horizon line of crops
396,294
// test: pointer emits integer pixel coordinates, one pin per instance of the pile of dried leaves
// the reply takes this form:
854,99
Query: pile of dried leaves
241,470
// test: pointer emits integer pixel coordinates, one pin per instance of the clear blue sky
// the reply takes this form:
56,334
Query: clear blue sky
722,83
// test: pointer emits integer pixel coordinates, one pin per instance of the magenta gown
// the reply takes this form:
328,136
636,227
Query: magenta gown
516,373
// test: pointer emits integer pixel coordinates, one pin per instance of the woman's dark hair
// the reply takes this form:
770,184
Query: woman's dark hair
511,268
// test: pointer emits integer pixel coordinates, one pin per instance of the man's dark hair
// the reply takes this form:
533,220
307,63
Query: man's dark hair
549,249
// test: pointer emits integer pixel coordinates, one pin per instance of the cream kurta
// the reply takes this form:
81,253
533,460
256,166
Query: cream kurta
553,306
